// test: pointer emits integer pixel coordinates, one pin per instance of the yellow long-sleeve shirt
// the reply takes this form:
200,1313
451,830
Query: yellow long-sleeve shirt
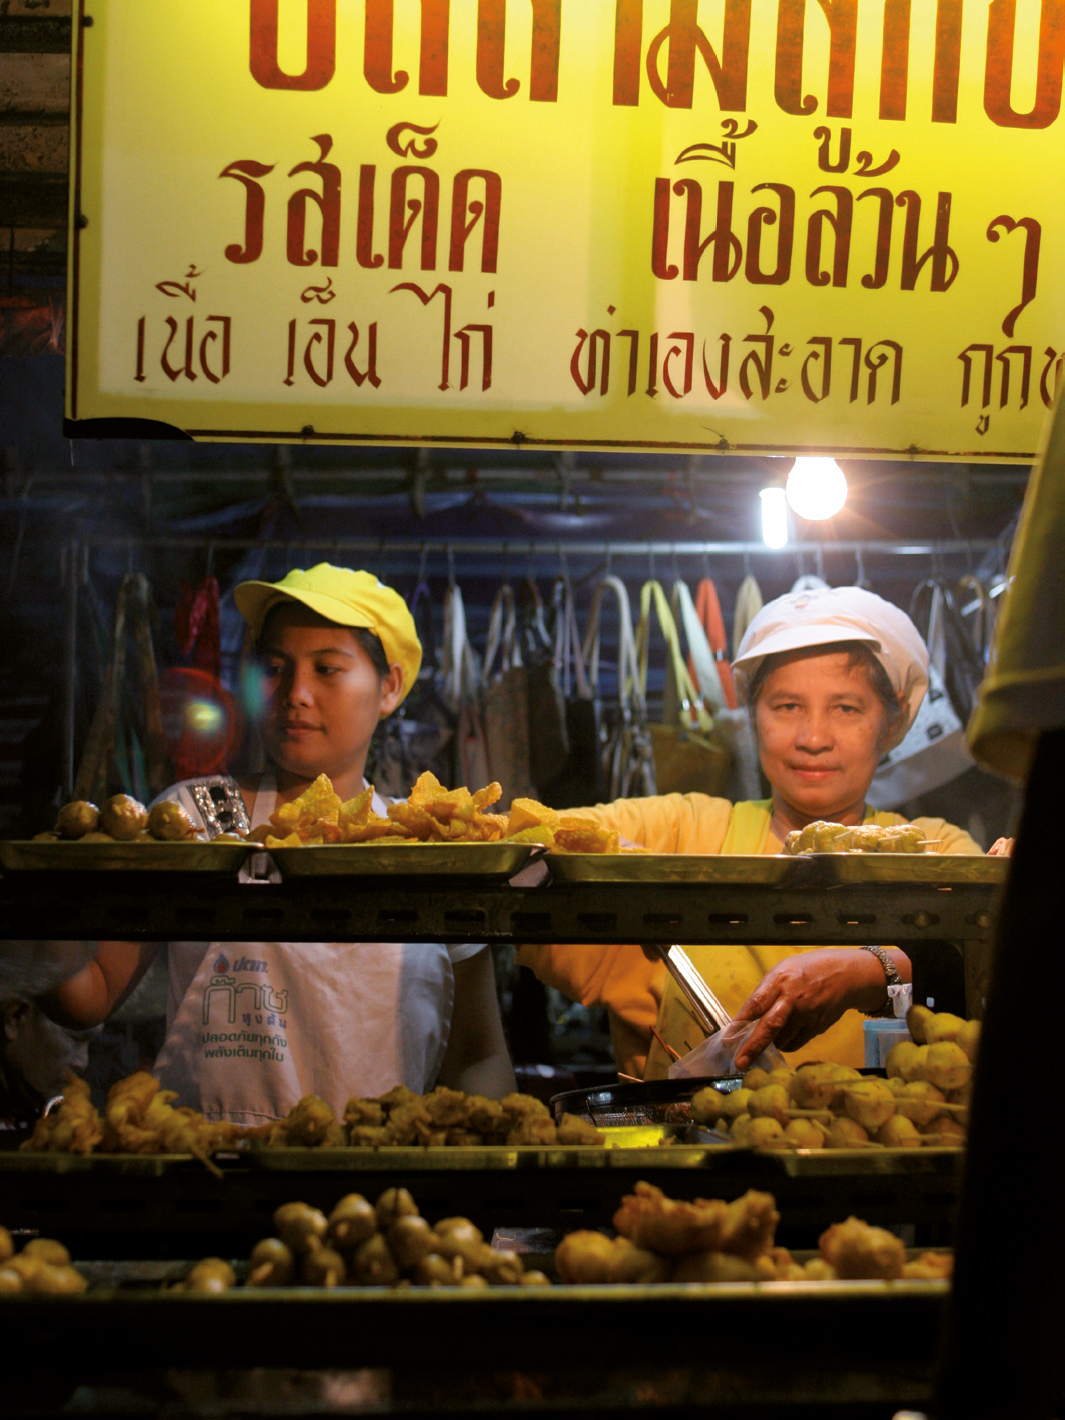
639,993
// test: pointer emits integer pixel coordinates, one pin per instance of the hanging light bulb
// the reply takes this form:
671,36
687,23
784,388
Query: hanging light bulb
816,489
774,517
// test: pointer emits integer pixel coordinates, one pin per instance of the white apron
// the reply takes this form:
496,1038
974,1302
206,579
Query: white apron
254,1026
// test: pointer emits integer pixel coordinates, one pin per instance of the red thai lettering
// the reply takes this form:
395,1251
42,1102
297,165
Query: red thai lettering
876,278
378,48
226,322
321,46
370,373
246,171
404,212
1033,233
1045,394
728,74
760,360
328,203
876,357
824,357
856,363
1003,358
824,151
464,336
840,223
466,214
720,387
998,70
966,357
364,252
842,19
687,349
426,298
895,59
943,257
947,61
628,47
585,380
761,218
491,47
728,253
173,372
633,337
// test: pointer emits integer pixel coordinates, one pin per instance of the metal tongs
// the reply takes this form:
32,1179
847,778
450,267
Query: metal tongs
707,1009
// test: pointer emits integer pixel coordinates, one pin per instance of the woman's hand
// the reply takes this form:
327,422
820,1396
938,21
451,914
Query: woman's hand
1001,848
805,994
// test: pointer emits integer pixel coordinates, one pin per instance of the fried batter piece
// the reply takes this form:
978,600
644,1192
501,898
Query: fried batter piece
930,1266
822,837
359,1113
74,1127
858,1250
534,1129
589,1257
583,835
572,1129
660,1224
744,1227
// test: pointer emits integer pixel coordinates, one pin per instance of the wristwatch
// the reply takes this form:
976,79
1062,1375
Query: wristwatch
891,978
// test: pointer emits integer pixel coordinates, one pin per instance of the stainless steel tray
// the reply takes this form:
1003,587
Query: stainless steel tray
777,870
18,856
432,860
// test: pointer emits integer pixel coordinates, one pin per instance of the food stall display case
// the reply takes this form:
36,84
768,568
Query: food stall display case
121,1214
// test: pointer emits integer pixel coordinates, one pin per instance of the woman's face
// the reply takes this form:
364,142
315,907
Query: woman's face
820,726
324,698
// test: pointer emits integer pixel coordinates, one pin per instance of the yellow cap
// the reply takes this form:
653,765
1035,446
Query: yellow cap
347,598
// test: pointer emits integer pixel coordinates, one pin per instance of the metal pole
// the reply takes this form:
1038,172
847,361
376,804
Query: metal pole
70,663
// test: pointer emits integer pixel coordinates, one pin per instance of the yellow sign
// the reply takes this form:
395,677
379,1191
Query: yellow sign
707,225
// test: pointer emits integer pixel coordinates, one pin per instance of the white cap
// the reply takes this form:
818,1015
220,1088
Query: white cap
819,617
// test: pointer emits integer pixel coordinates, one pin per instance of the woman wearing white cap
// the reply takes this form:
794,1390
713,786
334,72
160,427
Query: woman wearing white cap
832,679
253,1026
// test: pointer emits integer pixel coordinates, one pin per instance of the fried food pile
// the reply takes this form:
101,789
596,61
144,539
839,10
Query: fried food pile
42,1268
430,814
923,1101
73,1127
443,1117
821,837
122,820
364,1244
533,822
664,1239
139,1118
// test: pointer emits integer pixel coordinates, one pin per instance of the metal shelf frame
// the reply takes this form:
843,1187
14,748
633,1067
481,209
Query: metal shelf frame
139,906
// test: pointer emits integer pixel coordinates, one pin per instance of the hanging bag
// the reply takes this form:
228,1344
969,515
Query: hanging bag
933,751
977,615
461,692
688,756
548,732
125,749
577,782
419,736
732,727
934,611
626,766
748,605
505,700
708,610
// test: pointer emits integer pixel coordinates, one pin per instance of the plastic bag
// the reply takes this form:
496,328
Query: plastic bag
715,1056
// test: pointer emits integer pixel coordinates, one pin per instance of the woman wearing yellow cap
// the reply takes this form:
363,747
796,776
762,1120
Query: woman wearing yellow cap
253,1026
